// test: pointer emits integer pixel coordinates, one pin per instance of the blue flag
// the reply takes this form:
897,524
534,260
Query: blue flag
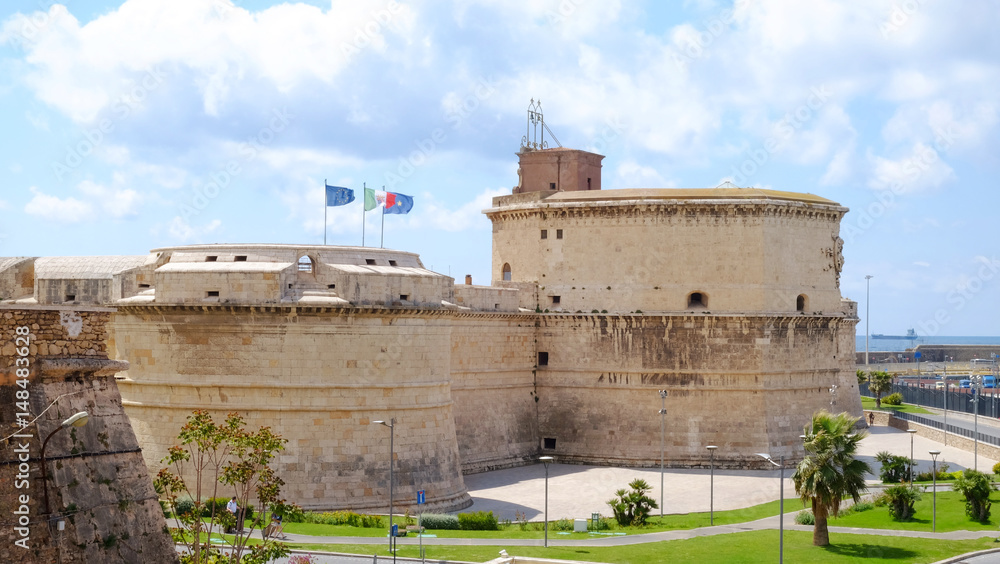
338,195
397,203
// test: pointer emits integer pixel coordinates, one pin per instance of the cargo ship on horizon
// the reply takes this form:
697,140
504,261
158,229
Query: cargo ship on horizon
910,334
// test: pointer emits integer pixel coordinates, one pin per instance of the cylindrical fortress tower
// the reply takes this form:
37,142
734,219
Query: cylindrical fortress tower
727,298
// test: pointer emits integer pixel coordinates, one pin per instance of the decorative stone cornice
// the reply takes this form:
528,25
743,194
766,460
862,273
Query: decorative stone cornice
681,209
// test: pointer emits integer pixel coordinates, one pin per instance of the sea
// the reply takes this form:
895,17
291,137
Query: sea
903,344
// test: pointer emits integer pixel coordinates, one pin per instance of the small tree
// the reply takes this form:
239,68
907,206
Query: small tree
894,467
222,454
900,500
879,382
976,488
862,376
631,507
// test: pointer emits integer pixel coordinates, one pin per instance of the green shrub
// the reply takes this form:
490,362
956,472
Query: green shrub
478,521
862,506
349,518
894,467
900,500
996,468
183,507
976,487
602,524
218,503
562,525
805,517
440,521
632,507
893,399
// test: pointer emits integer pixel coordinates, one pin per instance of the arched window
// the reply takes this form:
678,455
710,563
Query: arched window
800,302
697,300
305,264
506,272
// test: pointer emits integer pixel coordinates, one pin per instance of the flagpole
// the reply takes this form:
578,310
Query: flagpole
381,242
364,210
325,204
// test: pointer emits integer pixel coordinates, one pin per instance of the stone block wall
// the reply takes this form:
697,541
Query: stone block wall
316,376
492,383
17,277
98,486
486,298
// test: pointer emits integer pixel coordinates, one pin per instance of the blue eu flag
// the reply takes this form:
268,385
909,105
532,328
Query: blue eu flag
338,195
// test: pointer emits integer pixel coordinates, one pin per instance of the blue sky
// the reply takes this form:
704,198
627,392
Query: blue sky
147,123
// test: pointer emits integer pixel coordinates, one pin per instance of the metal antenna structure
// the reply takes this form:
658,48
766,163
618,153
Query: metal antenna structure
534,136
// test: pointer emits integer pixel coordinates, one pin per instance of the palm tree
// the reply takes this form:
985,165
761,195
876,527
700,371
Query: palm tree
879,382
830,470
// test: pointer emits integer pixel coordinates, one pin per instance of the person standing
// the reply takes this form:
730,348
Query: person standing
234,508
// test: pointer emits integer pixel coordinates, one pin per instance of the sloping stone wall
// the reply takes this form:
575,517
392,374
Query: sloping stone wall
101,502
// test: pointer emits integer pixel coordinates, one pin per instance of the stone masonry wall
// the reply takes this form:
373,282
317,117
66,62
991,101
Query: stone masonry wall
98,486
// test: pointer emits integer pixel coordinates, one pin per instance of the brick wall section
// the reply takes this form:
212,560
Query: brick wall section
97,480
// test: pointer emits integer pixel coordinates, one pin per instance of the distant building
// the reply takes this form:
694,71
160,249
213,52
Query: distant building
727,298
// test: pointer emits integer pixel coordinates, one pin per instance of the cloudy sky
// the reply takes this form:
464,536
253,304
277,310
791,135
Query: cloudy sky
146,123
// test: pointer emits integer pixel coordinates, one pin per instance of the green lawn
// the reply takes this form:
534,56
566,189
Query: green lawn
869,403
950,516
670,522
750,547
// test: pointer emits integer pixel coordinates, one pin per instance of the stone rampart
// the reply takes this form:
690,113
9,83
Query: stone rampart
100,498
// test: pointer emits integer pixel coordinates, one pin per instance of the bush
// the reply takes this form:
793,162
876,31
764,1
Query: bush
805,517
996,468
976,488
894,468
632,507
183,507
439,521
348,518
602,524
900,500
217,503
862,506
562,525
893,399
478,521
942,474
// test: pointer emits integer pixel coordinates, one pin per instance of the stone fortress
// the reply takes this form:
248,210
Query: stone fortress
727,298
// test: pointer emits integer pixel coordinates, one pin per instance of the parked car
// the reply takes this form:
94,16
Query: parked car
965,384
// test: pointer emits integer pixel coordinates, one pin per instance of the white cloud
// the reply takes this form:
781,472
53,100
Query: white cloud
631,174
436,215
184,232
920,171
117,203
52,208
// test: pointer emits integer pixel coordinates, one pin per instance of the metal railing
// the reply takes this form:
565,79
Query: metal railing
952,400
968,433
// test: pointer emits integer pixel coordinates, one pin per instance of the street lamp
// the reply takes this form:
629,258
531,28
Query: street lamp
76,420
711,487
934,455
781,504
546,460
868,287
911,432
663,423
391,424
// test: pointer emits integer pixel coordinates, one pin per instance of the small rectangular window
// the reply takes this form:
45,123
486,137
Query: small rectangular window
369,261
552,185
555,300
392,263
543,359
331,286
212,294
211,258
404,297
558,233
240,258
545,233
549,443
70,298
143,286
496,306
588,184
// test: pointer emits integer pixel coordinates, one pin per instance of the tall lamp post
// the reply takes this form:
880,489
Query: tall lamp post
711,486
781,504
868,287
934,454
546,460
76,420
911,432
391,424
663,426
